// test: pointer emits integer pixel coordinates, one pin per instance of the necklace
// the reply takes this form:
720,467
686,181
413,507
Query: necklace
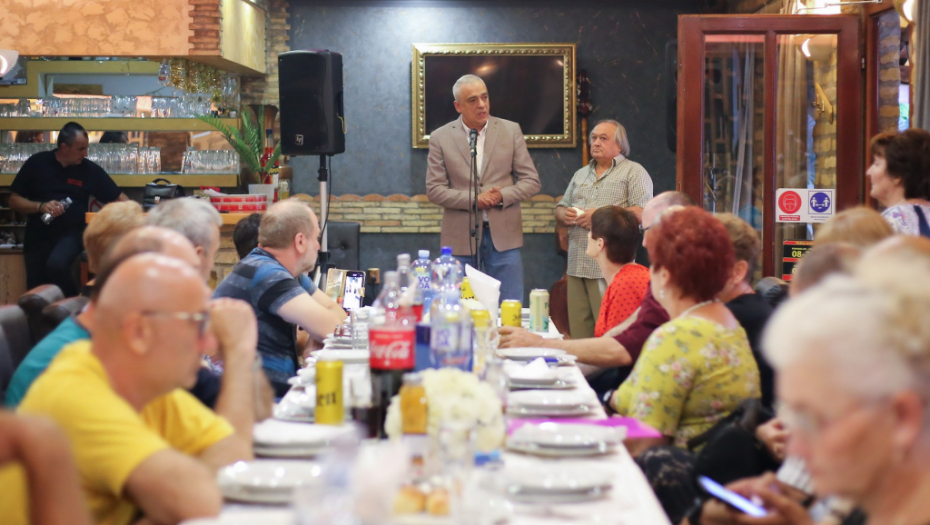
695,307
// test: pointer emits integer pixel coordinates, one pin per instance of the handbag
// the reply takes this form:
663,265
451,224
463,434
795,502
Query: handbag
730,448
159,190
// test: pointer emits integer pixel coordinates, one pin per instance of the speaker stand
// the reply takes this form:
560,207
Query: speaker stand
323,257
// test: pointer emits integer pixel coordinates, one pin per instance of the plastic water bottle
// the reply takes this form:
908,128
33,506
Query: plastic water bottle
447,273
450,332
47,218
422,271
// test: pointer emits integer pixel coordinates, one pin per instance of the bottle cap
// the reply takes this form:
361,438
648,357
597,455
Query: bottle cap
413,379
391,278
423,254
403,259
447,250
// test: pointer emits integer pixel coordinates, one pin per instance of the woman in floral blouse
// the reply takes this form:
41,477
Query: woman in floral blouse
696,368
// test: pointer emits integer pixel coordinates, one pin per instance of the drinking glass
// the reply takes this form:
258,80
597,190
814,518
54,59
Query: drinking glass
360,320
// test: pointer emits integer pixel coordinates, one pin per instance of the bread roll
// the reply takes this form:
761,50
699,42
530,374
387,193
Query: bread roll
409,500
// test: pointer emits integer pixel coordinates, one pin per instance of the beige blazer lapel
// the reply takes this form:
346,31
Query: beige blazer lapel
490,140
461,141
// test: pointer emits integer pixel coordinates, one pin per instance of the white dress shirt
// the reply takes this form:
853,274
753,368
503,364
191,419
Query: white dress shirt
479,158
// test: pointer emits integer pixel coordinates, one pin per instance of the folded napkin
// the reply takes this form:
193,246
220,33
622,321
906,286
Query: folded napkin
487,290
535,370
634,429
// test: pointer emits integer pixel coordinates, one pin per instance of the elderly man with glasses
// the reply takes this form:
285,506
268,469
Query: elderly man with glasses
611,179
142,443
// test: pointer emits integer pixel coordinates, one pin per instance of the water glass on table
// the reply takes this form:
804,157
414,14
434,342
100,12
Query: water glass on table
360,319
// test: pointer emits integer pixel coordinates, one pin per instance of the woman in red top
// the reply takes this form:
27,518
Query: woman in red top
612,242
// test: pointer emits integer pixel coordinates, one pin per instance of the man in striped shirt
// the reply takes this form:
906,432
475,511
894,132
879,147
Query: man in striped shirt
611,179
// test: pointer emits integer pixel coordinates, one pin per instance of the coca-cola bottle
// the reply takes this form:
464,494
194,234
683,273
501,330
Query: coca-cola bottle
391,341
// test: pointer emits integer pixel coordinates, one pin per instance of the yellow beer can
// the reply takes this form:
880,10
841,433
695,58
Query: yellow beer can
330,409
467,293
481,318
511,313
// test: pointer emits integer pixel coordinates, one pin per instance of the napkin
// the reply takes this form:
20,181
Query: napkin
634,429
535,370
486,289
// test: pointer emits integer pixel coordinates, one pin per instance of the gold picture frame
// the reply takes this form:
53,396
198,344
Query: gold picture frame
564,53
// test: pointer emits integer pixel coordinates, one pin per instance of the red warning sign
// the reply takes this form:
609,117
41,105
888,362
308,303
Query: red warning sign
790,202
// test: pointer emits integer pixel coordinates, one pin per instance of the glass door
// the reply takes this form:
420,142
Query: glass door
770,103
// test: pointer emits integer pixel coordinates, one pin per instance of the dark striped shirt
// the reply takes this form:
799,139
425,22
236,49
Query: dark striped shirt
266,284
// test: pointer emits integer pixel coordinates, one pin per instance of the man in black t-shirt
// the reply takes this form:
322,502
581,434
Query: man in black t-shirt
45,180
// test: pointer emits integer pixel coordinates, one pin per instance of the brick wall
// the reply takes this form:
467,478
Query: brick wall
392,214
889,70
264,90
824,130
205,23
754,6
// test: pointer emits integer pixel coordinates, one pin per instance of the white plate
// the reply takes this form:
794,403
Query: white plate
528,354
558,385
536,399
568,435
289,452
554,481
346,355
550,412
265,481
553,452
274,433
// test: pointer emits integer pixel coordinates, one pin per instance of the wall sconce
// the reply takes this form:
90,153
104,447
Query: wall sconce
822,105
905,8
8,60
819,48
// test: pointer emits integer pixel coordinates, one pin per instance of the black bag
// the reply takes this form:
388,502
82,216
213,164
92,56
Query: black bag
156,192
731,450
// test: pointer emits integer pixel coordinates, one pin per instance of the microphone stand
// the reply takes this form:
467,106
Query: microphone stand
473,188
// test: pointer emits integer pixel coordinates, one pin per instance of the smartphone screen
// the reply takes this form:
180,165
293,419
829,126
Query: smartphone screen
731,498
354,290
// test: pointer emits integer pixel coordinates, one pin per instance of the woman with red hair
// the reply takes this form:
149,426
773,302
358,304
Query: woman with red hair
698,367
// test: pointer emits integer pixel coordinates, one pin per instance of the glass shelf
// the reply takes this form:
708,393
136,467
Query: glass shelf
192,180
111,124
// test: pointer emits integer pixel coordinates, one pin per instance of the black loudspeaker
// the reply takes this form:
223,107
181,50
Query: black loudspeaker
671,94
312,117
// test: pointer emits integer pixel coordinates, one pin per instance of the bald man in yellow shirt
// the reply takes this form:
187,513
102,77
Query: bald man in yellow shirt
144,447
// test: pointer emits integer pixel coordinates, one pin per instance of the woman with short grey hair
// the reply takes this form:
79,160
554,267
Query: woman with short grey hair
853,363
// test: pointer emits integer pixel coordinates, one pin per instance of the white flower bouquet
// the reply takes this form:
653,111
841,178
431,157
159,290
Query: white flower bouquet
454,396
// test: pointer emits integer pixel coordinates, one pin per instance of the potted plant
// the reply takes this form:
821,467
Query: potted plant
248,143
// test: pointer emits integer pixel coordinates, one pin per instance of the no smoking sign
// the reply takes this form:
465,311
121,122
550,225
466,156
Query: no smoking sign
803,205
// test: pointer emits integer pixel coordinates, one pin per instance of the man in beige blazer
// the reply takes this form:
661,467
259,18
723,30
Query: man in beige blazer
506,177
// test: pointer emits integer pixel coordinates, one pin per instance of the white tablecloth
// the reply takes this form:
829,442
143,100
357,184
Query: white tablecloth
630,502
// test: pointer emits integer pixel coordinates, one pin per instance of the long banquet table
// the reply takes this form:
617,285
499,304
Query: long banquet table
630,502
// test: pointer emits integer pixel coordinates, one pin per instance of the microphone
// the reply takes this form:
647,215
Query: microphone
473,141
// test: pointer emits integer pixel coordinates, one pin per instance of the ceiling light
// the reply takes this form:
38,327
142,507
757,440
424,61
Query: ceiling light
7,60
905,8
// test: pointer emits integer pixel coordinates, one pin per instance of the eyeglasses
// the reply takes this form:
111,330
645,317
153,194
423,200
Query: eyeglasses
643,230
813,426
203,318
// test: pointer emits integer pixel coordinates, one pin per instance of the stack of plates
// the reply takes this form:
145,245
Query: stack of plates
283,439
538,376
565,439
555,484
550,403
265,481
560,357
346,355
337,342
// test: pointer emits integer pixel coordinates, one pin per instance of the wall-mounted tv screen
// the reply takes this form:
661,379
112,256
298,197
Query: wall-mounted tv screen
533,85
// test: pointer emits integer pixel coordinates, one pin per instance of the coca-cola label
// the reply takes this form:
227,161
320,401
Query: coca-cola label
391,349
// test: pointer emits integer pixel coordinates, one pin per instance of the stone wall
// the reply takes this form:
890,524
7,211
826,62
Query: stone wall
205,25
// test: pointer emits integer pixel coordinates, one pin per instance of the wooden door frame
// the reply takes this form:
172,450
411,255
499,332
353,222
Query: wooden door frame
690,162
